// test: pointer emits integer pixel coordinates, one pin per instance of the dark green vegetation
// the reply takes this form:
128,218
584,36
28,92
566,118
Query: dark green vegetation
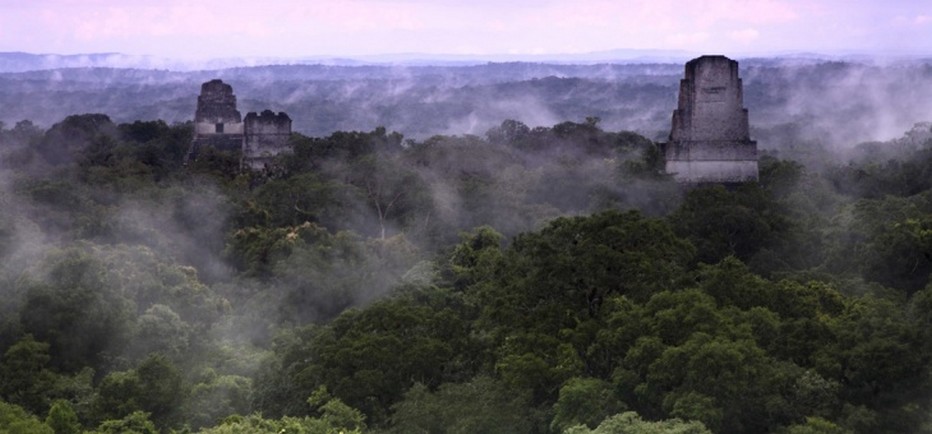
531,280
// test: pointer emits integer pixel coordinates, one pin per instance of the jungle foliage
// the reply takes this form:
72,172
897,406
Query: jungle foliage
537,280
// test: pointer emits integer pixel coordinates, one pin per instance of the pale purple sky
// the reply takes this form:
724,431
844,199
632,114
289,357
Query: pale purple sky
291,28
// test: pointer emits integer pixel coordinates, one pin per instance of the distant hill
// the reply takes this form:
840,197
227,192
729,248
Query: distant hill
794,100
22,62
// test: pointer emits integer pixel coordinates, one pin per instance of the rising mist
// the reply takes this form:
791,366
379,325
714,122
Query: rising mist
444,237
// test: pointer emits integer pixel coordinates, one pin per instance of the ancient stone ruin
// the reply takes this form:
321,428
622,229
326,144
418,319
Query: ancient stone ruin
709,141
219,125
265,136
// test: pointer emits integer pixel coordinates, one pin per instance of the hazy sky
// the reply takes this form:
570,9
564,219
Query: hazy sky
217,28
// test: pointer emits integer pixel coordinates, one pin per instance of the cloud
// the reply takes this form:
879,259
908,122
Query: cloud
688,40
362,16
744,36
218,28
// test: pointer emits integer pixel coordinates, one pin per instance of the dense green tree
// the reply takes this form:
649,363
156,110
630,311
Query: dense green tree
15,420
144,131
544,303
161,330
395,193
162,387
64,141
631,423
584,401
510,131
721,223
57,206
26,378
76,310
62,418
155,387
256,424
118,395
479,405
325,273
815,425
136,422
305,198
474,259
215,163
24,132
334,412
216,397
729,385
565,272
96,304
368,358
878,358
883,240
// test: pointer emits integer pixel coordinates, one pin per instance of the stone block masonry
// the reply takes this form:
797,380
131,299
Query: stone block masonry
710,140
266,135
216,110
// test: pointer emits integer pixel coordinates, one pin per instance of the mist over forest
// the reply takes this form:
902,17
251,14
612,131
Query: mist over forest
791,100
490,248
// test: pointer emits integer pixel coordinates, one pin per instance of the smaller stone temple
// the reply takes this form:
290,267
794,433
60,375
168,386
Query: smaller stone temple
265,135
710,140
219,125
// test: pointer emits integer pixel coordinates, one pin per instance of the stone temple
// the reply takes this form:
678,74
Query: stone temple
219,125
709,141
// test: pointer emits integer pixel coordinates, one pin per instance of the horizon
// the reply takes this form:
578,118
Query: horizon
21,61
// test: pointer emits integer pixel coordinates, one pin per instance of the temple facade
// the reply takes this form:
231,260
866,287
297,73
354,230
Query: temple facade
710,140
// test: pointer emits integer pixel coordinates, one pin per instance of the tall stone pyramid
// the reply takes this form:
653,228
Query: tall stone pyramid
709,141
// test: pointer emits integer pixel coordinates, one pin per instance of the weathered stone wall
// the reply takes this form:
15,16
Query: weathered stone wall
714,171
266,135
216,110
208,128
710,102
710,140
217,122
217,103
712,150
